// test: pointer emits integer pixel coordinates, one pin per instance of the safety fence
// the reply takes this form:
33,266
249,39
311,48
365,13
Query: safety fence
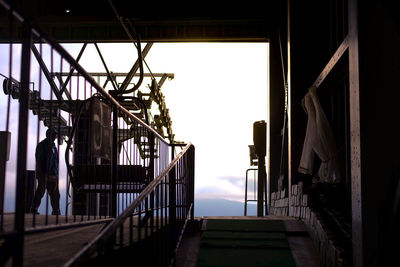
149,231
105,160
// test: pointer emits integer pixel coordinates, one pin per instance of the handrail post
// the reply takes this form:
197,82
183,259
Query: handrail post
167,178
151,173
245,193
172,151
172,205
260,189
19,223
114,162
191,178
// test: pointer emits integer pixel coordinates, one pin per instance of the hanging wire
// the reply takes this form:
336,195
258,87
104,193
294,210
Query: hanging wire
148,68
286,103
120,19
283,72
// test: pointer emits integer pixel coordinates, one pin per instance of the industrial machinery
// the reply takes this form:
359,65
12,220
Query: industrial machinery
87,124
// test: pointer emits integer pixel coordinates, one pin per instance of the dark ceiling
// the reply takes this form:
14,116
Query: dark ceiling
72,20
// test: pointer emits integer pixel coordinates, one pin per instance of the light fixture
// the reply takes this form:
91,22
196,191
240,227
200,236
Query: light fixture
11,86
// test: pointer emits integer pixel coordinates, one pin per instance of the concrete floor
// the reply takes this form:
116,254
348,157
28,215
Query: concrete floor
49,242
56,247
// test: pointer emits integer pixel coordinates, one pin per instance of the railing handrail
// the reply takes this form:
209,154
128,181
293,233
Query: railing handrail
64,53
109,230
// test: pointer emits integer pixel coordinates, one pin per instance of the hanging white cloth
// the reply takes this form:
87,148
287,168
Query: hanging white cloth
319,140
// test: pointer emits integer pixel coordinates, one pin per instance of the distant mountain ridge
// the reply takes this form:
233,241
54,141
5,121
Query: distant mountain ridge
202,207
222,207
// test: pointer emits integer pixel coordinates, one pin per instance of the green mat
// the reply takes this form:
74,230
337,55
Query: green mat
244,243
245,225
243,235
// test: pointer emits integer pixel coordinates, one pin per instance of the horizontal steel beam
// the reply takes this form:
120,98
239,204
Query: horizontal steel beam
116,74
77,29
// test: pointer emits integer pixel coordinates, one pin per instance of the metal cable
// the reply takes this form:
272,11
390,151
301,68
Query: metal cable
138,47
286,104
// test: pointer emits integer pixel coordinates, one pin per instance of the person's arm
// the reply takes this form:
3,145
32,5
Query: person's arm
39,158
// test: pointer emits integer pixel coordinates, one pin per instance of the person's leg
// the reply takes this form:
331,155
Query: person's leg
54,193
41,187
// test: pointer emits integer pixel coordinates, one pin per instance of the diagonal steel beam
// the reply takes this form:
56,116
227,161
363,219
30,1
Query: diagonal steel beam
71,72
63,86
105,66
46,72
162,80
135,67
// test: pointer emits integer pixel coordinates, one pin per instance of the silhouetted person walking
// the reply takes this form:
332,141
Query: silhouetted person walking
47,172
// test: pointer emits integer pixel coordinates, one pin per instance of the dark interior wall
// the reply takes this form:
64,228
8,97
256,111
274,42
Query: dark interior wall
379,70
277,94
311,49
313,41
316,30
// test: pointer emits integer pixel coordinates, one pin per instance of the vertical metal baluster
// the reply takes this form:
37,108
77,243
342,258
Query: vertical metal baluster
19,222
172,207
192,173
67,186
38,126
51,123
131,160
74,145
130,230
90,194
121,235
114,162
164,216
138,228
125,163
161,218
4,170
59,140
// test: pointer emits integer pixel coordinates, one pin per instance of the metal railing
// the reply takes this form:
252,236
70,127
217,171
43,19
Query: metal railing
253,190
107,158
153,223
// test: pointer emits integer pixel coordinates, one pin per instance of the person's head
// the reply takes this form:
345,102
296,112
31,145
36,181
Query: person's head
51,134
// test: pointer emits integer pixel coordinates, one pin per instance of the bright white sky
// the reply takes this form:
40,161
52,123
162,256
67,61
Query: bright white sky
219,91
